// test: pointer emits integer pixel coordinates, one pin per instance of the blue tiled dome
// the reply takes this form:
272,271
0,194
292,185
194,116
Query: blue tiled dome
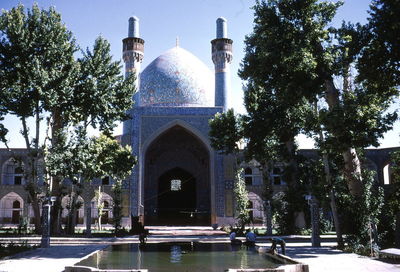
177,78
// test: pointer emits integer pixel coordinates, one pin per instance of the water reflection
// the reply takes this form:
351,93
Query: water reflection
176,254
193,257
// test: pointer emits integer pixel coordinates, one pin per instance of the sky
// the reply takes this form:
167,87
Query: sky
161,22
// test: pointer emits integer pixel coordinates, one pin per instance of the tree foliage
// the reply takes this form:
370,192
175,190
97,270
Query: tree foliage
36,62
226,132
242,200
42,77
294,58
379,65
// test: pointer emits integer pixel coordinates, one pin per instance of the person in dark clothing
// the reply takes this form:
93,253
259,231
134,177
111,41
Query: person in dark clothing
277,241
142,237
250,238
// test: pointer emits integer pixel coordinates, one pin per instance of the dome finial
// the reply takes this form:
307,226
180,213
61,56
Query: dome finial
177,41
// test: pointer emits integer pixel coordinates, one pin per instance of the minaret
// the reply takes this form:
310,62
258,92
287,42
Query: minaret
132,54
222,56
133,49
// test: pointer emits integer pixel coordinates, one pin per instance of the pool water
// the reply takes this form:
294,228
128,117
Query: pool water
191,257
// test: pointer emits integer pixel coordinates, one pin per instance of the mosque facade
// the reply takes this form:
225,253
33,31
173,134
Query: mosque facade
179,178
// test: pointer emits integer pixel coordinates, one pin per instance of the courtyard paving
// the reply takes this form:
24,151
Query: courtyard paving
68,251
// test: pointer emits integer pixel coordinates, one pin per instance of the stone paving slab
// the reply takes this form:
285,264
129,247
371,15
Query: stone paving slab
331,260
52,259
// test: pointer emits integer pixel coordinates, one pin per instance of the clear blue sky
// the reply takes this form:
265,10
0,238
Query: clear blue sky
161,21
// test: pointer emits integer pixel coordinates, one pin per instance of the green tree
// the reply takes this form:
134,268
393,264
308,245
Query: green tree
36,59
242,200
303,59
117,162
98,195
80,159
379,65
100,98
229,132
41,77
3,131
72,161
226,132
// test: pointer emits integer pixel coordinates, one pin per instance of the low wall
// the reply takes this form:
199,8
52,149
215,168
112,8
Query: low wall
91,269
288,265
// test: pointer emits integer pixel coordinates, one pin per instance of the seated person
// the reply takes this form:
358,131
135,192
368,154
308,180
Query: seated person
143,237
250,238
233,239
276,241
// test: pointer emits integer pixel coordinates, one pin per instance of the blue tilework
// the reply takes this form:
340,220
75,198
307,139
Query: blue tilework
177,78
147,120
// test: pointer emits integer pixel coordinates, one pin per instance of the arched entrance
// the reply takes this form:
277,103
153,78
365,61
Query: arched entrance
177,180
11,206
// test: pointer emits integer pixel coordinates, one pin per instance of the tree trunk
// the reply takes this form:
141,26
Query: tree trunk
328,179
72,214
290,147
292,183
56,127
99,219
36,214
32,179
267,198
57,209
352,172
314,210
336,221
397,230
352,167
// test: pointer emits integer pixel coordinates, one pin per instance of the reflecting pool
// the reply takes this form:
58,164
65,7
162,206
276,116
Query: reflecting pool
190,256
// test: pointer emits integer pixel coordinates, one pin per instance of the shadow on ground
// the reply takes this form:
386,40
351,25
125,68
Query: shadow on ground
57,252
310,252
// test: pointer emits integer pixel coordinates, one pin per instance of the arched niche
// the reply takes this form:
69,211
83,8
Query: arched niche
11,206
177,154
13,172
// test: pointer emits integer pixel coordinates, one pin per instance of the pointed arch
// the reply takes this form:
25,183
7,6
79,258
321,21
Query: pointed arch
65,202
107,202
256,207
11,206
13,172
176,122
177,145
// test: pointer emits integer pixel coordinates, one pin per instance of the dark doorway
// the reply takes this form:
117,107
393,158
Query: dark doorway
176,197
250,207
16,212
177,180
104,216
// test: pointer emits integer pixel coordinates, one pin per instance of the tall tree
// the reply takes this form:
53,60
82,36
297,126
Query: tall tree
242,200
231,134
294,51
41,77
225,135
36,59
100,97
117,162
